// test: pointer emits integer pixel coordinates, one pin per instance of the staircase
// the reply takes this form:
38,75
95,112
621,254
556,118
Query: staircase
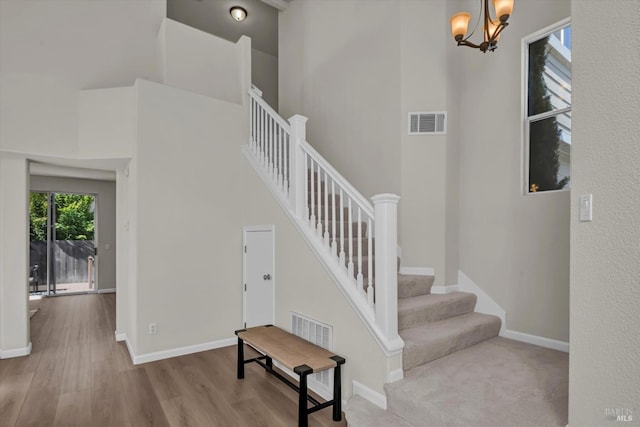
357,242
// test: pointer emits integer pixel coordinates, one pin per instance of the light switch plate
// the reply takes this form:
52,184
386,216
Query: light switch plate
586,207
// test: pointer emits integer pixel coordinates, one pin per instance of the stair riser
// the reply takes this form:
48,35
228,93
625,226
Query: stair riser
418,354
411,286
449,306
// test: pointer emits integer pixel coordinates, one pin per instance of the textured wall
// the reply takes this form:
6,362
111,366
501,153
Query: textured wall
605,272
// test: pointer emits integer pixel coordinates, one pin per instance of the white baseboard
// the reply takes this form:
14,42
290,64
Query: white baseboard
536,340
418,271
121,336
180,351
444,289
16,352
485,303
395,375
378,399
107,291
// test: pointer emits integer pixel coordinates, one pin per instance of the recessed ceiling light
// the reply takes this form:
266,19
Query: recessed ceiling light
238,13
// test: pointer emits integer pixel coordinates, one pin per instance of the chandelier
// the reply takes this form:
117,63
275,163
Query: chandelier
491,27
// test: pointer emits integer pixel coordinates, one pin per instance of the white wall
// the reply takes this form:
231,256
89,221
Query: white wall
51,49
340,62
423,210
605,325
514,246
356,69
200,62
264,74
14,263
188,231
106,122
106,218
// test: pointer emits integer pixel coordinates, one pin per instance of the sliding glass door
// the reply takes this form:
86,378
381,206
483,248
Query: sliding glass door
62,243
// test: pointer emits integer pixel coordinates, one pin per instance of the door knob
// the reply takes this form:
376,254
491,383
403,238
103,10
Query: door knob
267,277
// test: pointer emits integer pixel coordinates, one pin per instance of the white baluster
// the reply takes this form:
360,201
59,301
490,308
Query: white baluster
359,280
319,203
312,188
280,156
326,209
350,227
334,216
370,291
342,259
263,133
306,185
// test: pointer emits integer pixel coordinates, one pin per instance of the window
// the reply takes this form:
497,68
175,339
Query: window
547,109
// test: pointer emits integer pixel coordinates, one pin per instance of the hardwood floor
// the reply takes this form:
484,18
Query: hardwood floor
77,375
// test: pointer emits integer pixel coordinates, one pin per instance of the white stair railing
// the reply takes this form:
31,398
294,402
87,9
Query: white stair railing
335,218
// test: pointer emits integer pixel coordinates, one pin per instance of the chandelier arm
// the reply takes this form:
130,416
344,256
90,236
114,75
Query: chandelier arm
487,20
477,22
501,27
466,42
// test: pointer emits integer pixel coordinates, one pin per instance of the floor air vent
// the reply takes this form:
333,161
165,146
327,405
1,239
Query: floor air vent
321,335
428,123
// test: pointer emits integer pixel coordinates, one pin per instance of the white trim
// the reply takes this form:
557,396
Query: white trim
524,93
485,303
106,291
44,169
378,399
418,271
180,351
536,340
121,336
395,375
16,352
444,289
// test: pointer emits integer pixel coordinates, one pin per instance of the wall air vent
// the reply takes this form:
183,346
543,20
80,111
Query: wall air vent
428,123
321,335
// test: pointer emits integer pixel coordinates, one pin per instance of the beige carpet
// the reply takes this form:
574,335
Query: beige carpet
497,383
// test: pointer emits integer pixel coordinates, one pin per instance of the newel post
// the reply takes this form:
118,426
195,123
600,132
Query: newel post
296,164
386,263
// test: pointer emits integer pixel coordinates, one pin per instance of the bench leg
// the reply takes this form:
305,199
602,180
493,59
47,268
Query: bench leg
269,364
337,394
337,389
303,412
240,358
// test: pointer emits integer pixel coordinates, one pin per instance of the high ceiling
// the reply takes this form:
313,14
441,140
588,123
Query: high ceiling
213,17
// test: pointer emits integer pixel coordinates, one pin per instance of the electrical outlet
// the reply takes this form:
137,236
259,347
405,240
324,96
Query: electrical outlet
153,328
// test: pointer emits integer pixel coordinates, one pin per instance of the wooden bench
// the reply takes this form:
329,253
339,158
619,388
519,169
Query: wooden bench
295,354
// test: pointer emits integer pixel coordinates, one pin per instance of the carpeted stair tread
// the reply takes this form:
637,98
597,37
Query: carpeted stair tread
359,412
430,308
411,285
433,340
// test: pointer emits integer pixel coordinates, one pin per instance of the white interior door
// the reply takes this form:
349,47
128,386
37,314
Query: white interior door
258,276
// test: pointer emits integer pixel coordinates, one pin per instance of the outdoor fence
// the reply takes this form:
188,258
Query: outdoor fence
71,260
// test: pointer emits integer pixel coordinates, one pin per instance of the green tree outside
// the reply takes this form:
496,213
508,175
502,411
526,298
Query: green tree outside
544,135
74,216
